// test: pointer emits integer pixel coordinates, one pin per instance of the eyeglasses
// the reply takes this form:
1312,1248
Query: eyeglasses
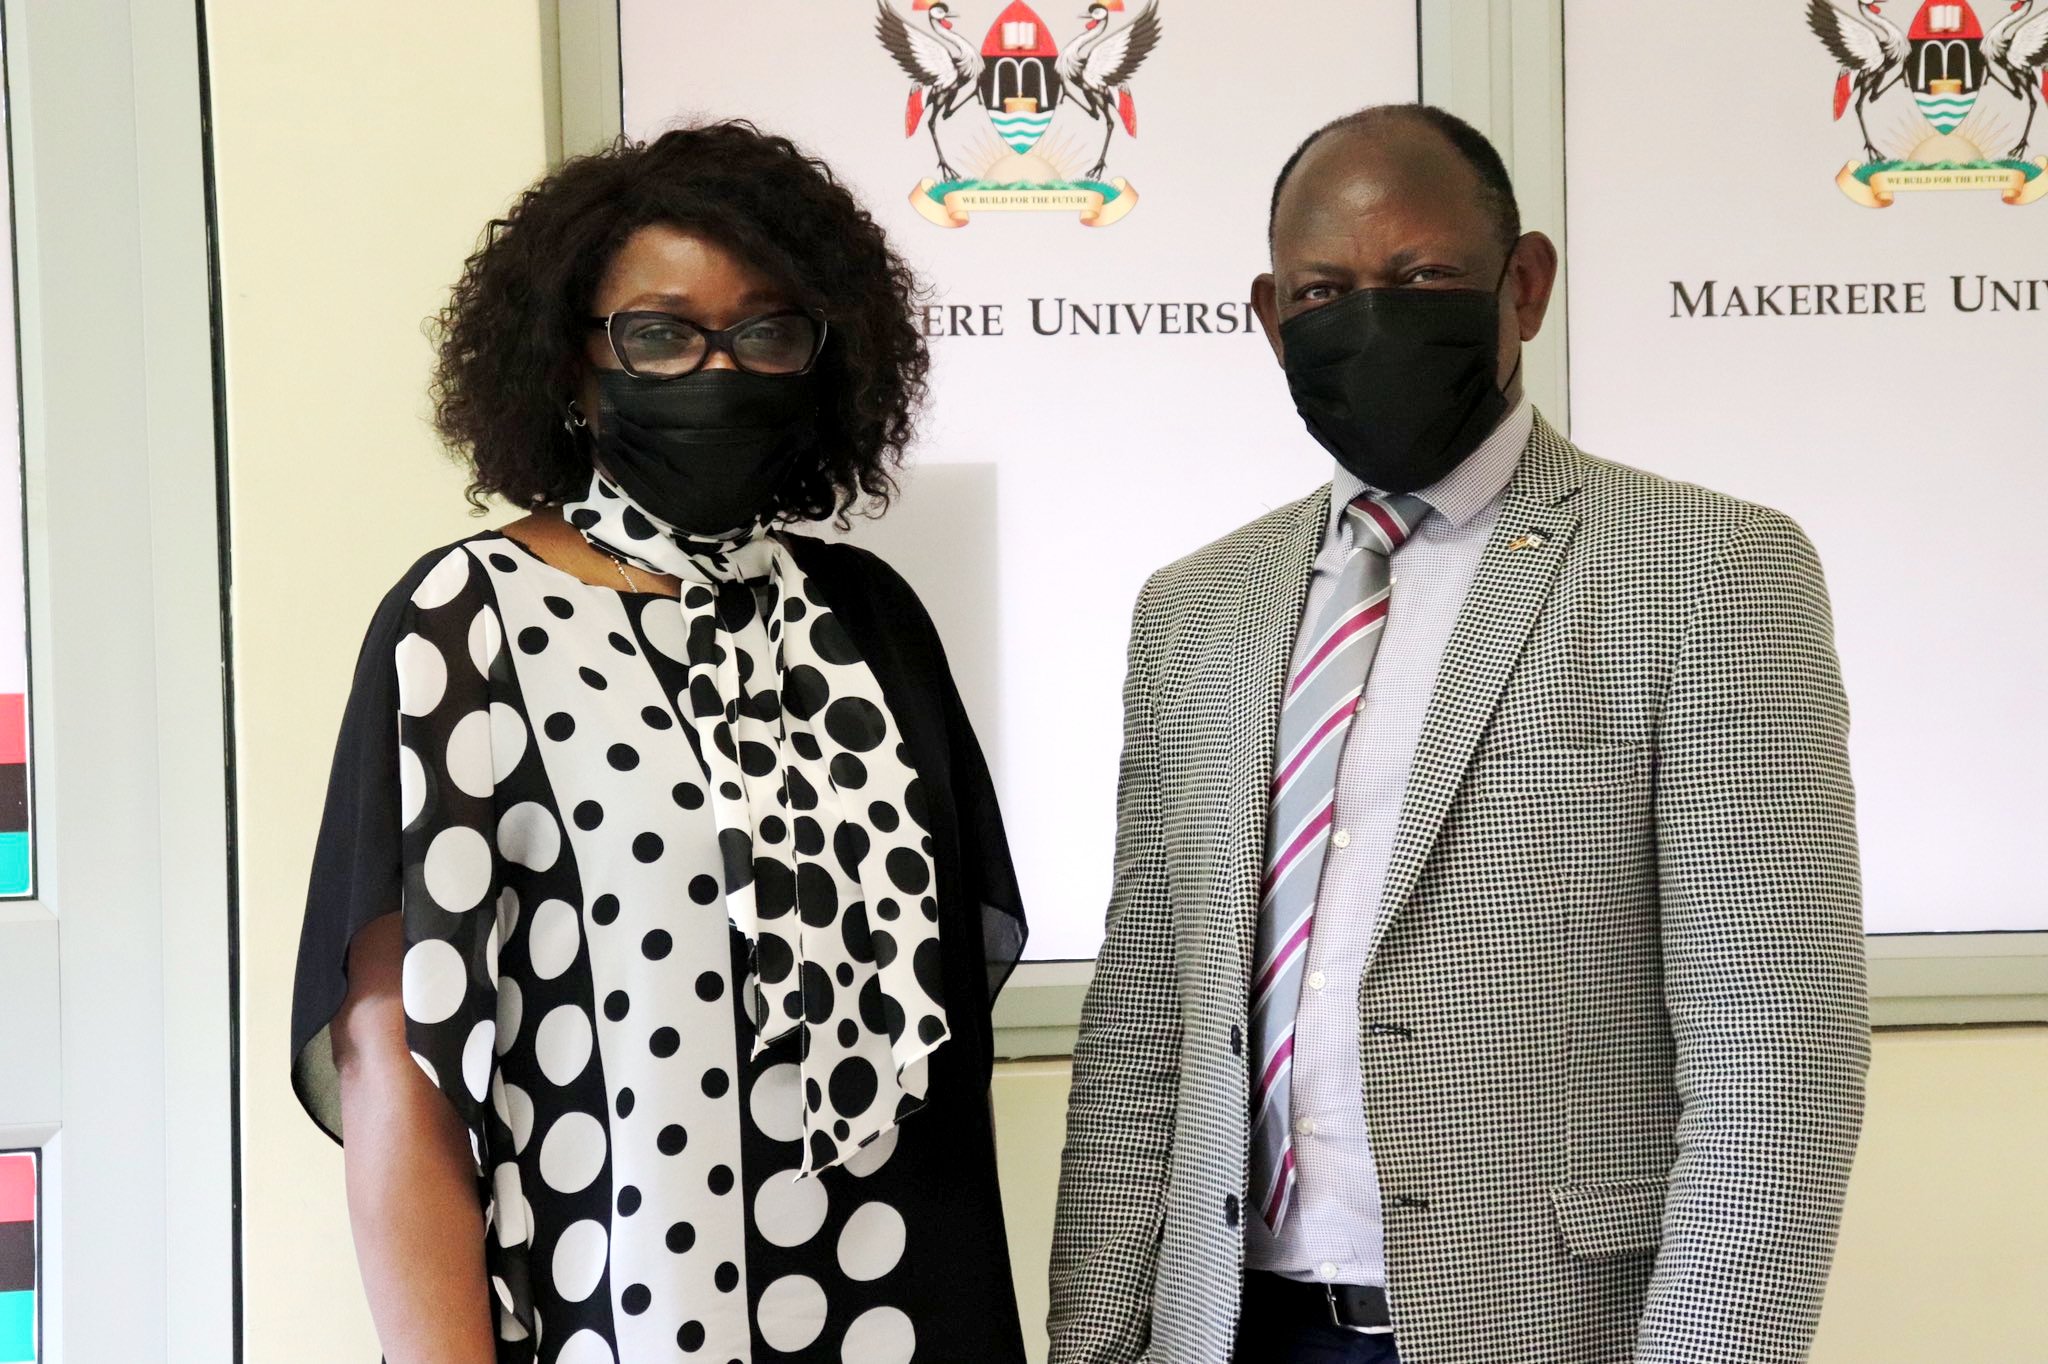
663,346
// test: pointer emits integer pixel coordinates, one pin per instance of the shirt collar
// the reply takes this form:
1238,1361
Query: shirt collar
1470,488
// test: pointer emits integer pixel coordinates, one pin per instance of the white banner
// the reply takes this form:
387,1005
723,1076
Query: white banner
1809,266
1103,399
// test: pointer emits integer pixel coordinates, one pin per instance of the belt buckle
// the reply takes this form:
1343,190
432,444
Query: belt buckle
1337,1318
1330,1301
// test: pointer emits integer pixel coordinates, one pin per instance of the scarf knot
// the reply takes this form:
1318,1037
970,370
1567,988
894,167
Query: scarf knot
821,819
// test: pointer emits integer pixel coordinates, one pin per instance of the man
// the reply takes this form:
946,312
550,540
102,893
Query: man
1484,973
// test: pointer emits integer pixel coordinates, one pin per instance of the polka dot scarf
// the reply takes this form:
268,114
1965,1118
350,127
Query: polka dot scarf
821,822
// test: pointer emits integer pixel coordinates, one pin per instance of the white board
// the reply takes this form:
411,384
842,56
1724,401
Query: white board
17,863
1057,471
1891,402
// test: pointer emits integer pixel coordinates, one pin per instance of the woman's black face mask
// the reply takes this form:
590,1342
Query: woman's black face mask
1399,384
710,452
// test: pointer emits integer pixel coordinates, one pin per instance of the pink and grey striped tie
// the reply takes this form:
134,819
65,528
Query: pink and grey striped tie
1314,717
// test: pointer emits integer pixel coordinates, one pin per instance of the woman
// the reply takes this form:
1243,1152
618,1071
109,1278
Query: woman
649,970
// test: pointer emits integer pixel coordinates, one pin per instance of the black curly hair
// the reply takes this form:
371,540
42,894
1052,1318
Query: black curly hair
511,340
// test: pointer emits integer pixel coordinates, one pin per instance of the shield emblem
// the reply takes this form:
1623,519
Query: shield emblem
1020,77
1945,62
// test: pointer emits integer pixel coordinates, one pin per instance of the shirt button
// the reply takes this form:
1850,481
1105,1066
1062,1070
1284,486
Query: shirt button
1341,839
1317,980
1306,1126
1326,1271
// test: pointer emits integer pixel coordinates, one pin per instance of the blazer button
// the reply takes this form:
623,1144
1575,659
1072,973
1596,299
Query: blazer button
1230,1210
1236,1040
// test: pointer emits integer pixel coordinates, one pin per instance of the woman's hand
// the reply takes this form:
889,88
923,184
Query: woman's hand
412,1199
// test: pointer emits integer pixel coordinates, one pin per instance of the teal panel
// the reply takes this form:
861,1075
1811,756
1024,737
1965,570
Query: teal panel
15,879
17,1328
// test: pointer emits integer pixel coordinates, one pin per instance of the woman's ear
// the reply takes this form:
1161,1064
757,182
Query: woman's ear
584,412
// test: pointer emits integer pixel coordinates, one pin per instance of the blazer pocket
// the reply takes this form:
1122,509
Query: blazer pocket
1563,757
1603,1221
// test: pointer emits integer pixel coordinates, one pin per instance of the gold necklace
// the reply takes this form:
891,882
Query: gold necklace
620,565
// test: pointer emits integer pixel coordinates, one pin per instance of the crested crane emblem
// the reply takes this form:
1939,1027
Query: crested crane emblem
1972,86
1045,107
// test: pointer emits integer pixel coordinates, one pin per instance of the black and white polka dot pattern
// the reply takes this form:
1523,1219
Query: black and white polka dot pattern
568,985
515,778
821,819
636,829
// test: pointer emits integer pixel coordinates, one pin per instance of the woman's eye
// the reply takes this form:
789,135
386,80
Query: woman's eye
660,334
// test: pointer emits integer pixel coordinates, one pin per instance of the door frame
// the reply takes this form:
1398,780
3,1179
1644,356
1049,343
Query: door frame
126,1058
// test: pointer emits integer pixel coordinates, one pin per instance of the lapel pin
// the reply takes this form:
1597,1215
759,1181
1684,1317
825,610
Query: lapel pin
1530,541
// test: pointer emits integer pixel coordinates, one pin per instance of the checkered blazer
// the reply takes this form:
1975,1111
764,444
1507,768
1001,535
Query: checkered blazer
1614,1029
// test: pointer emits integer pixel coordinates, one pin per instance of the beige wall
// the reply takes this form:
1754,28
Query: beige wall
359,149
1944,1252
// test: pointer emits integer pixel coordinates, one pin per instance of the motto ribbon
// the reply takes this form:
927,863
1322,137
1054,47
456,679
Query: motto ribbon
2013,186
1095,208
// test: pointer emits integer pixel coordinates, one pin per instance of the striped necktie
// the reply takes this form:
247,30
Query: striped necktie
1322,696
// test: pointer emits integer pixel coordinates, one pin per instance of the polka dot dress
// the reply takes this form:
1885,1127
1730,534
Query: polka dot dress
575,984
819,816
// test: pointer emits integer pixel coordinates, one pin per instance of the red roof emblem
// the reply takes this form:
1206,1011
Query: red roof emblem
1019,32
1941,19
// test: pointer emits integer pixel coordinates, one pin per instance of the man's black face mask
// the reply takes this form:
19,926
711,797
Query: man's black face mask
1398,384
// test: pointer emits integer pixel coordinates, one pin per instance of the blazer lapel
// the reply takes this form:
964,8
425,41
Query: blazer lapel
1268,620
1516,570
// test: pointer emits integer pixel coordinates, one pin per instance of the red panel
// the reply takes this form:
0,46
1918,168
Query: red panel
17,1188
13,729
1017,13
1969,30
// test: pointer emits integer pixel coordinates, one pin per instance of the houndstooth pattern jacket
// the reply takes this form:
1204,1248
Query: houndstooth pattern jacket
1614,1029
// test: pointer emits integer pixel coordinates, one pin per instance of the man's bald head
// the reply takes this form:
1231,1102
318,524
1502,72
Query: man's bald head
1418,134
1402,196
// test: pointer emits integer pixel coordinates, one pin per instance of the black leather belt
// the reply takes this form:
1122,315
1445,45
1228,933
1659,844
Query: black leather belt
1357,1307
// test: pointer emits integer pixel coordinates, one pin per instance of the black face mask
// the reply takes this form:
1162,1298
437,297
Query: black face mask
1398,384
708,452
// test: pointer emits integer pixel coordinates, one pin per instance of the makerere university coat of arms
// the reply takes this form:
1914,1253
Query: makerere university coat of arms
1950,63
1021,80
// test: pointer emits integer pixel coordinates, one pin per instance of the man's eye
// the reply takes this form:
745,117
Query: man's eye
1316,293
1427,274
